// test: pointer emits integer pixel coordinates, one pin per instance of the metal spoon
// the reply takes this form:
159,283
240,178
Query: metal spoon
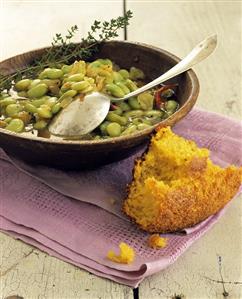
82,117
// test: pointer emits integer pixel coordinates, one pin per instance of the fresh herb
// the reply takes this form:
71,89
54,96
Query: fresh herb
63,50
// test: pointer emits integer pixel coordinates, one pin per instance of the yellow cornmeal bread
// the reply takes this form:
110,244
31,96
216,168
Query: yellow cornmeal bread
175,185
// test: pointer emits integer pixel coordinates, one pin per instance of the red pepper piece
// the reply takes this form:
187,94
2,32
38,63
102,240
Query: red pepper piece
113,107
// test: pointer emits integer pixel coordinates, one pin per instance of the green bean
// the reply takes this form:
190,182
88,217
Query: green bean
44,111
56,108
113,129
7,101
171,106
40,125
112,117
15,125
103,127
134,113
79,86
123,105
22,85
133,103
123,87
143,126
38,91
115,90
131,85
13,109
131,129
30,108
124,73
51,73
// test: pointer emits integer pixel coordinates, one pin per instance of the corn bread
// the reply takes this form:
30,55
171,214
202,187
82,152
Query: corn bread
175,185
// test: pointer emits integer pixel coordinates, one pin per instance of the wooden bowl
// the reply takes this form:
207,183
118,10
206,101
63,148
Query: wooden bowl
90,154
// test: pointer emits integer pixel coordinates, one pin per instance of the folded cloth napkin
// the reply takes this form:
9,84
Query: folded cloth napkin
76,216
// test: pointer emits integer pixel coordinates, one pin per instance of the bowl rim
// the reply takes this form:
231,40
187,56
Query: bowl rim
189,103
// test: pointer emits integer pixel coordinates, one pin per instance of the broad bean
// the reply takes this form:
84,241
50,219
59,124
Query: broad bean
143,126
68,94
124,73
123,87
38,91
79,86
103,127
146,101
74,78
131,85
13,109
124,106
56,108
131,129
115,90
22,85
117,111
30,108
44,111
40,125
51,73
112,117
171,106
117,77
134,113
136,74
113,129
15,125
7,101
133,103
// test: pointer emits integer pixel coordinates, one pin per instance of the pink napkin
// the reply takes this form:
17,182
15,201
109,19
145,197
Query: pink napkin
71,215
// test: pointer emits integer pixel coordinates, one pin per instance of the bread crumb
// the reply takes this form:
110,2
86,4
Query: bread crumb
126,256
155,241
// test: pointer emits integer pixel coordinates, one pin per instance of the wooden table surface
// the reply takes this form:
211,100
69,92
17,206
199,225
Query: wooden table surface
176,26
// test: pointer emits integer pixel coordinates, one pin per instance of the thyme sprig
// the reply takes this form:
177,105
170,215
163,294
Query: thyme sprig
63,50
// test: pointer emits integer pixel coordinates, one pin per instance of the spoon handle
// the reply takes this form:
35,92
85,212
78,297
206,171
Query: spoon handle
199,53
